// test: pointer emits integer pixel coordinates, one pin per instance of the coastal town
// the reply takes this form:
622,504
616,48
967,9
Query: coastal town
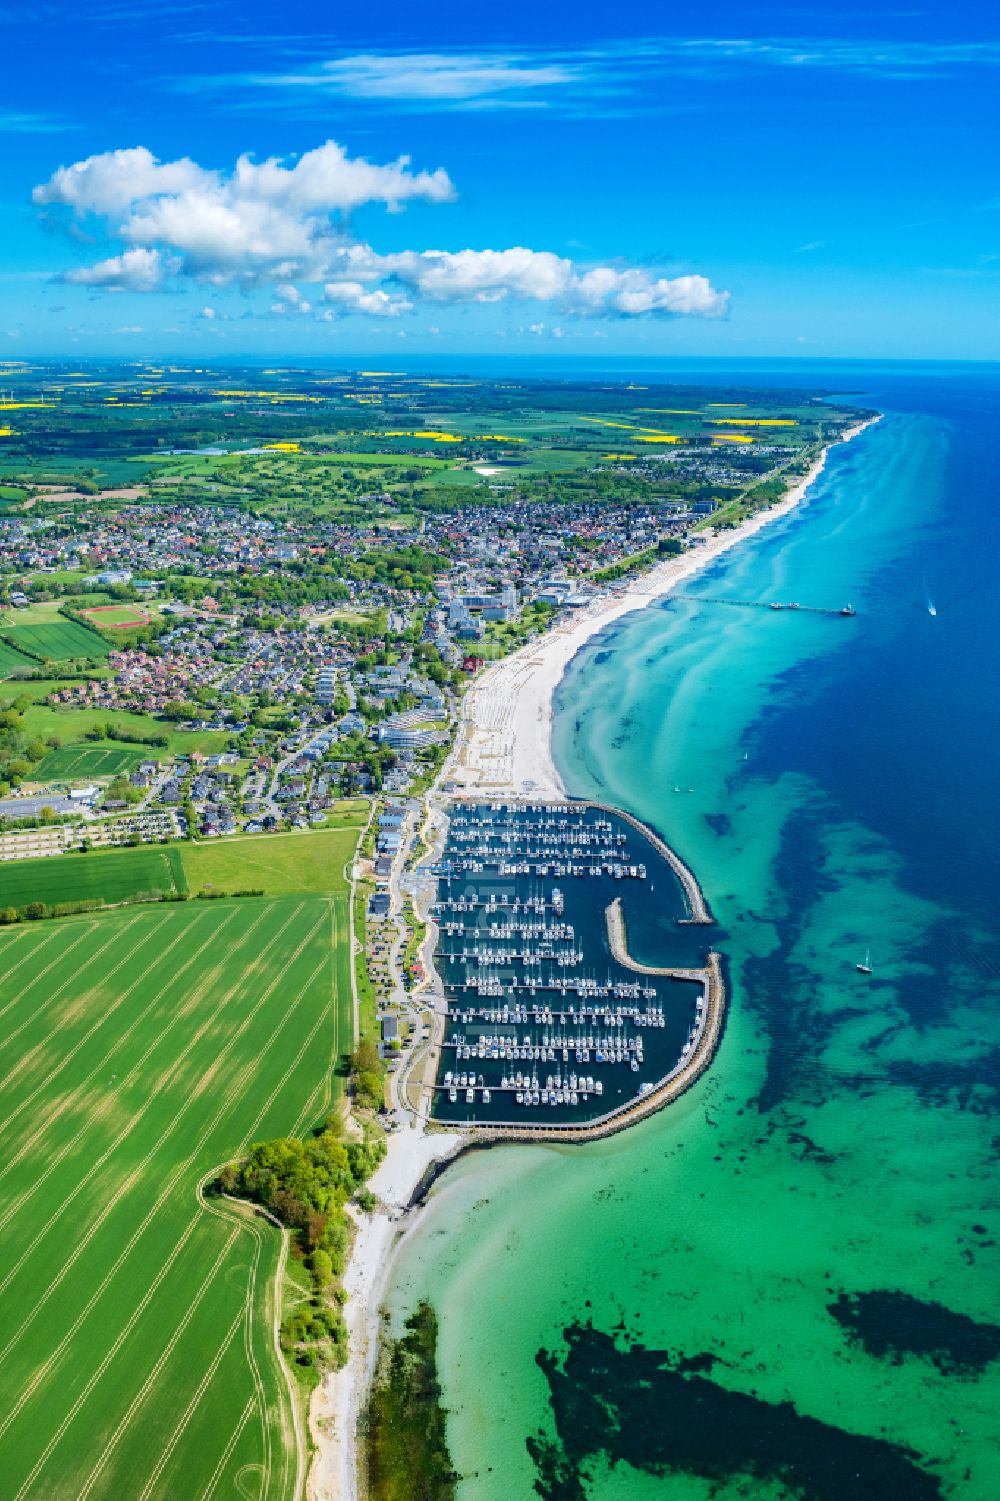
499,963
251,685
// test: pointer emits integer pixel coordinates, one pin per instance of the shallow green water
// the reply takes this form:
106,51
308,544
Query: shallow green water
815,1224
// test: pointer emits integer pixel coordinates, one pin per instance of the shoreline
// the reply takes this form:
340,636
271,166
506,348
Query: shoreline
412,1155
502,748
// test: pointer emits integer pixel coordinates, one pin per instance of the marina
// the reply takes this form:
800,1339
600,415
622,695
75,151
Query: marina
548,1021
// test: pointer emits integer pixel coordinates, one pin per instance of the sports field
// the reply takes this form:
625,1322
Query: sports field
56,642
139,1051
116,616
114,875
70,762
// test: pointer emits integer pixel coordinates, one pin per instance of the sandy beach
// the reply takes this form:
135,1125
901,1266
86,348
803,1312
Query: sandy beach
504,738
336,1404
503,748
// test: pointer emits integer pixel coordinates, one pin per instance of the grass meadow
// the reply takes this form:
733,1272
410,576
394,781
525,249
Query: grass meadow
139,1051
274,863
73,724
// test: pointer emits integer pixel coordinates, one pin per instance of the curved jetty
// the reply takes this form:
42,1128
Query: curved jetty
697,905
545,1025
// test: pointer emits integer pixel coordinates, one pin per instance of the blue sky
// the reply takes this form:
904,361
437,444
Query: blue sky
653,180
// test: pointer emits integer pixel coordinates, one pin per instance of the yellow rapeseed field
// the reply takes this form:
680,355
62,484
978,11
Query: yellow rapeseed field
754,421
656,435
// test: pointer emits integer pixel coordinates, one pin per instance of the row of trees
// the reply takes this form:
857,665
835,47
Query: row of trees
306,1184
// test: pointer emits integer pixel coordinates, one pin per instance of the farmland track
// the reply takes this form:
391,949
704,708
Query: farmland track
54,1073
57,1159
108,1335
137,1172
203,1384
72,1099
82,1398
32,953
227,1452
27,1058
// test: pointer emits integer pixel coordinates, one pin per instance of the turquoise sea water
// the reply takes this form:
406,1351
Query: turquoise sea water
786,1284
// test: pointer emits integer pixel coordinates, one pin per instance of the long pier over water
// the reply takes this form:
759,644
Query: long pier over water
847,611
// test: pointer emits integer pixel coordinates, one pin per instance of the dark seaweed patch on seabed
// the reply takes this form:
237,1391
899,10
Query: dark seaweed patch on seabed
782,993
660,1414
971,1085
892,1325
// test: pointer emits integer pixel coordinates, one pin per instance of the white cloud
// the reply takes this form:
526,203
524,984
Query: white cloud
444,77
14,122
892,59
132,271
629,76
108,183
354,297
290,300
539,276
269,224
263,221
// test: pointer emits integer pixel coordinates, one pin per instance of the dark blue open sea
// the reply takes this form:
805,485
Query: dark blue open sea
787,1284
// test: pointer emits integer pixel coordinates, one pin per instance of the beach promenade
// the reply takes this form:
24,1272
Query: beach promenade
504,741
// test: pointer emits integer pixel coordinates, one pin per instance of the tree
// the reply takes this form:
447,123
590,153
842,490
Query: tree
365,1058
321,1265
368,1089
176,710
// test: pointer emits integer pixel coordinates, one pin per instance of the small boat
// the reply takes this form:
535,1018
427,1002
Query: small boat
848,610
866,968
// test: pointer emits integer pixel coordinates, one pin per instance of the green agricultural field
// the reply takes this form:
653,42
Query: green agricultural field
274,862
11,660
114,875
57,641
140,1051
71,762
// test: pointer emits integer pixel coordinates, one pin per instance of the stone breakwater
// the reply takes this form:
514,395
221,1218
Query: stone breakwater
694,896
670,1088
